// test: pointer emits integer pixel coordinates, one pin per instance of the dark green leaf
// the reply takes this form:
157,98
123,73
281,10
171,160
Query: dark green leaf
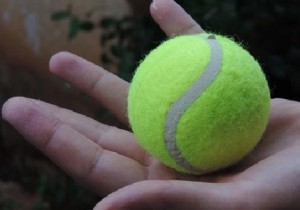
87,26
61,15
107,23
74,28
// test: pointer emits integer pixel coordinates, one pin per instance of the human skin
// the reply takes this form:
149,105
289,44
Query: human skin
108,160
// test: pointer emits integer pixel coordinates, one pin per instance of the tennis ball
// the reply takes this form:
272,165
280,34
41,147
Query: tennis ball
199,103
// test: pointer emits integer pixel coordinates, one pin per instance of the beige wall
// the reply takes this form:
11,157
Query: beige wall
28,36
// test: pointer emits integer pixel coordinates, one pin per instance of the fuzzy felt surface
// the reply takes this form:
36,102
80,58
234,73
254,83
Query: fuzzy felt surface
221,126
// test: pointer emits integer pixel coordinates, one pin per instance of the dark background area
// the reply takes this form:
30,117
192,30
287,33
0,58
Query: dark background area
268,29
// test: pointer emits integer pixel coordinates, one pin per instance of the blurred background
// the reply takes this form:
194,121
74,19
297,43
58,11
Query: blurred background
116,35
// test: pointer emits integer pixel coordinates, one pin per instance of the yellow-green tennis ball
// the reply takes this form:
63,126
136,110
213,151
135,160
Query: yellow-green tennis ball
199,103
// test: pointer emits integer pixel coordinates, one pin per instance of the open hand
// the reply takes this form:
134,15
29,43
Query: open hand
108,160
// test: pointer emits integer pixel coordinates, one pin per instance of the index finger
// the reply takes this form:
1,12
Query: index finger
107,88
110,90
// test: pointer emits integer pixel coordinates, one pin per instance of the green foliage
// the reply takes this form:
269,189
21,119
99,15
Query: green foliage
74,27
61,15
75,24
117,41
268,29
86,26
123,40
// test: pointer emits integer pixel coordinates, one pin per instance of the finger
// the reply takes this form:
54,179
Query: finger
175,195
105,87
101,170
108,137
172,19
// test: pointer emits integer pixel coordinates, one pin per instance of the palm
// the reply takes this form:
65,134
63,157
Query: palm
280,139
106,158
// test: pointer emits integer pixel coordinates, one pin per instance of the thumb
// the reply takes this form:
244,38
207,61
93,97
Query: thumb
175,195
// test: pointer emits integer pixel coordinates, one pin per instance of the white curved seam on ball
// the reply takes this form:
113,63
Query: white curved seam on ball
183,103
